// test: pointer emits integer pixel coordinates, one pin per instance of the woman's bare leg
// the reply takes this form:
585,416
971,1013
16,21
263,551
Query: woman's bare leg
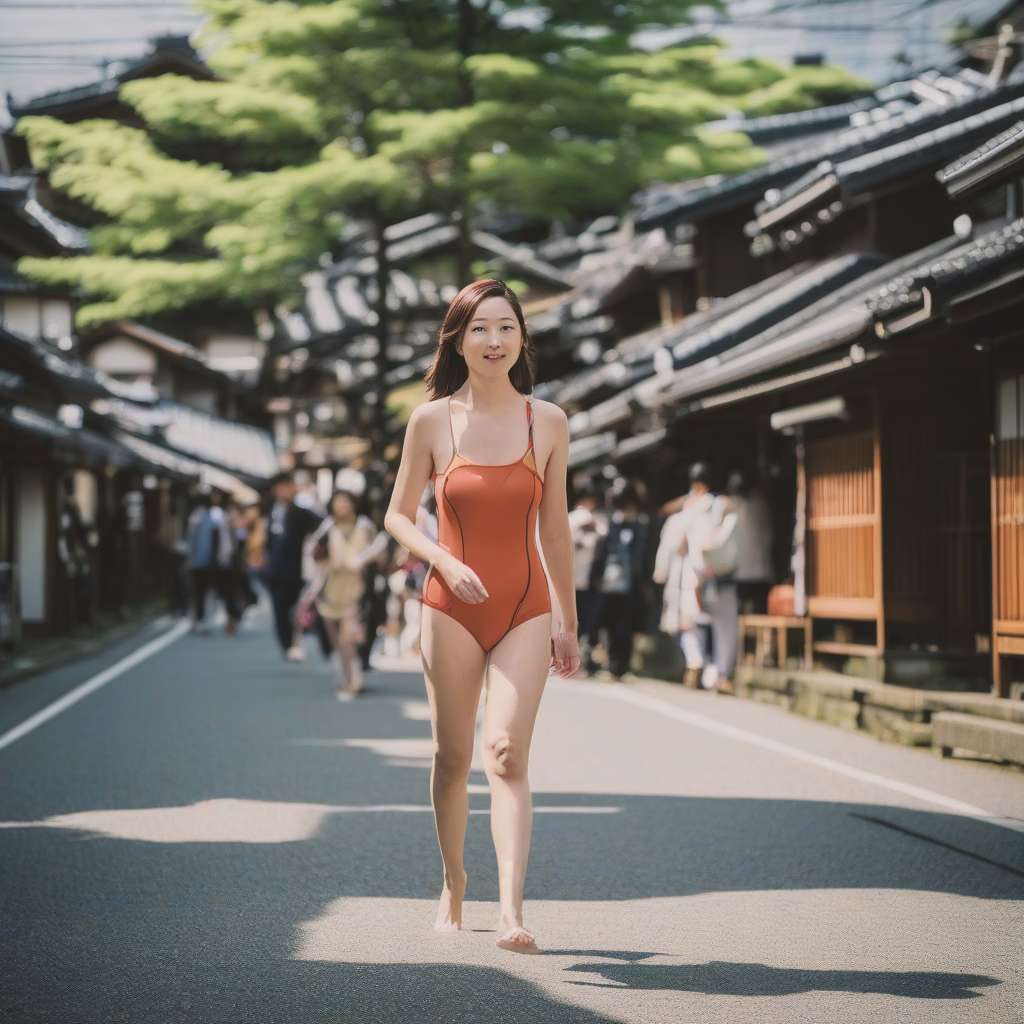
516,673
333,627
453,665
348,652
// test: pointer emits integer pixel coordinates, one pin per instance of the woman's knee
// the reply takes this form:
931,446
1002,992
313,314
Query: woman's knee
505,758
452,762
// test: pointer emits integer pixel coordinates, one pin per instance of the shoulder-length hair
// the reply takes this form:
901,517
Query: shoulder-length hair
449,371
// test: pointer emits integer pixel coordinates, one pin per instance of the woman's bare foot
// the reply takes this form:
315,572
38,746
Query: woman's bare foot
512,934
449,910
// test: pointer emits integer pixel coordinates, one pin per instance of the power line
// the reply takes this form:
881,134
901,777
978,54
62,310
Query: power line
25,44
51,58
116,4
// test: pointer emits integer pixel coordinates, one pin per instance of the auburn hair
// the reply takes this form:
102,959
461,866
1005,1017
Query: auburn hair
449,372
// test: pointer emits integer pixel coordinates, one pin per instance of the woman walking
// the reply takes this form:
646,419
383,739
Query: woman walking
348,547
498,462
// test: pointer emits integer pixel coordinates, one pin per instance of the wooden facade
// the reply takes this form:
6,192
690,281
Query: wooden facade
1007,491
844,531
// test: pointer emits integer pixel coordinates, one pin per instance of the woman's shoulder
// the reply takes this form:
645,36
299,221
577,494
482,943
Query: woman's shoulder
427,419
548,412
429,412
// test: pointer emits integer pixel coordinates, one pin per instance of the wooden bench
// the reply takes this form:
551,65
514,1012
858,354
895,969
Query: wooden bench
764,626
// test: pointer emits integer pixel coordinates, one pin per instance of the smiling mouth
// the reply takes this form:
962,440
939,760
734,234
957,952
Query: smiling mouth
495,357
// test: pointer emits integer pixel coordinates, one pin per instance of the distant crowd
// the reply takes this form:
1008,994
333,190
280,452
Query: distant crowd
711,557
328,570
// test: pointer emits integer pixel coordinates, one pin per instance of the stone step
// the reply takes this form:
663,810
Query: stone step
989,736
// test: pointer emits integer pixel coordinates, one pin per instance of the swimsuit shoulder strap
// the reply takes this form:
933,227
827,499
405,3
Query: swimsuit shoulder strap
451,427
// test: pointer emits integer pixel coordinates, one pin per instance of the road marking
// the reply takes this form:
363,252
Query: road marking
92,685
732,732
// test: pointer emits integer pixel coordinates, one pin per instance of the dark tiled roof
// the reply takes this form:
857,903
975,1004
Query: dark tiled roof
718,337
922,290
65,97
833,320
18,200
174,51
81,443
992,163
749,187
66,375
800,122
868,170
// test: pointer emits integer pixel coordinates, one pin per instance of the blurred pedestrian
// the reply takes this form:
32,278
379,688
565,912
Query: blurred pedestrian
211,546
718,593
588,526
254,546
345,549
617,574
693,529
289,526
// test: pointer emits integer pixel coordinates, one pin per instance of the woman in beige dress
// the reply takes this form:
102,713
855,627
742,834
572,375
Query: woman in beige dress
347,547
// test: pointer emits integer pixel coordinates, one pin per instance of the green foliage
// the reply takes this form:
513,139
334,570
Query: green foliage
384,108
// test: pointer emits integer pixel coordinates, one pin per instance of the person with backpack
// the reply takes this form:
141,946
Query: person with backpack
680,561
617,575
720,556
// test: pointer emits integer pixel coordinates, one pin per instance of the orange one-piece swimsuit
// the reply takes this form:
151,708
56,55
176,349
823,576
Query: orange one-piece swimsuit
487,518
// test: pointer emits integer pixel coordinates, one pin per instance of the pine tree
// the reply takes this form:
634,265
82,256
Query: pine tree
379,109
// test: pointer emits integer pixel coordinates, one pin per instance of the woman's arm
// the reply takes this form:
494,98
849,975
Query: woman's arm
555,535
413,474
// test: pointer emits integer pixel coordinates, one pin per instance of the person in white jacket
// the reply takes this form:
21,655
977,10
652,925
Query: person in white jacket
679,564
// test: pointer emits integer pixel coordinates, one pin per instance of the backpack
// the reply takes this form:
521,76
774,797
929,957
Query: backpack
721,554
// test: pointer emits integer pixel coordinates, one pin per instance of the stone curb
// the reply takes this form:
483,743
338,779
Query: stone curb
897,714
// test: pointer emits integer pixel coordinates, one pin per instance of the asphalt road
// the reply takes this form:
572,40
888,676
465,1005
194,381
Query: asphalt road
212,837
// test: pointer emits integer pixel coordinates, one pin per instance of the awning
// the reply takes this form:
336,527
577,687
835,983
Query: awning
190,469
235,447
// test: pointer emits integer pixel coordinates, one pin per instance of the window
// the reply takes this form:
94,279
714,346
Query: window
23,315
1010,409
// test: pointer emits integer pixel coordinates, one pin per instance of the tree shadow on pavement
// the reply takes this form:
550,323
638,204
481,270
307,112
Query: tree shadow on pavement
728,979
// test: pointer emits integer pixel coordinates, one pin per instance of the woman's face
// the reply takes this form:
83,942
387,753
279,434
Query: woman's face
493,339
342,507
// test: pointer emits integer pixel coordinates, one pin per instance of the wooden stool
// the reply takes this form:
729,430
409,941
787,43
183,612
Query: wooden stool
763,626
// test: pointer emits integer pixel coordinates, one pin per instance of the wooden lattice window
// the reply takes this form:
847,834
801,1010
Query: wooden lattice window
844,529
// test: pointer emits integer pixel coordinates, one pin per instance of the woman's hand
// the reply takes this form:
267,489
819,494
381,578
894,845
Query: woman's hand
565,653
461,580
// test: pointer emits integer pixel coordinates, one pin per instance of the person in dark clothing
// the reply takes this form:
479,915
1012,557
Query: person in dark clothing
211,546
289,526
618,576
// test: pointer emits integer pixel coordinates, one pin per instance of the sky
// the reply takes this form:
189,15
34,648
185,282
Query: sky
55,44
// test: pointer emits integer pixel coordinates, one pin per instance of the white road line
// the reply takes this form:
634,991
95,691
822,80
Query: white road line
735,733
91,685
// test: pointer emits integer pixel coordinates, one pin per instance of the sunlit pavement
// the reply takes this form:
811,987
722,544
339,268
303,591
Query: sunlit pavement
213,837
